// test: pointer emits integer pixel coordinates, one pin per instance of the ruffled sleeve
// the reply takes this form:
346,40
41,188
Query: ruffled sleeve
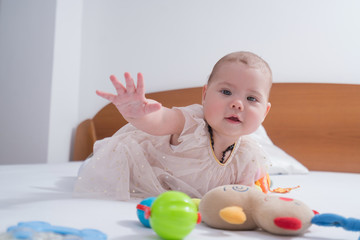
195,132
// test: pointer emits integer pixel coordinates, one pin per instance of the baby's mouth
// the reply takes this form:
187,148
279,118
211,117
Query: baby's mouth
233,119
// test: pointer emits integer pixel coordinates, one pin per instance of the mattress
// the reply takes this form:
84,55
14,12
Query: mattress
43,192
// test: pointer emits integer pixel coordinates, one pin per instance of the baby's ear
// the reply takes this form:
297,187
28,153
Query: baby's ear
267,110
204,93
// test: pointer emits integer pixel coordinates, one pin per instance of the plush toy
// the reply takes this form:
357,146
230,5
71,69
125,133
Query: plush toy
172,215
238,207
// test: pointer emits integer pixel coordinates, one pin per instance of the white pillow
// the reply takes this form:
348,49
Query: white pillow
280,161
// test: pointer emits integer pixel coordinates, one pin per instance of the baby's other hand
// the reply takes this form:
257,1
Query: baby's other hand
130,100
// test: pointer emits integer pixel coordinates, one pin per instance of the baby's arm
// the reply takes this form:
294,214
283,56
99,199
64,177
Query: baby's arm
145,114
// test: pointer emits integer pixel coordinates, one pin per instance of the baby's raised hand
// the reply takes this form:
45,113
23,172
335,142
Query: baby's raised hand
130,100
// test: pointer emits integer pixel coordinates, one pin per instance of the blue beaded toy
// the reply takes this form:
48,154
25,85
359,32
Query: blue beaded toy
40,230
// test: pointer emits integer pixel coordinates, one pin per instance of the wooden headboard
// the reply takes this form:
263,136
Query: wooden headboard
318,124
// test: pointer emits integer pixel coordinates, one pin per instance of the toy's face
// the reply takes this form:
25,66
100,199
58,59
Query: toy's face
231,201
236,188
283,215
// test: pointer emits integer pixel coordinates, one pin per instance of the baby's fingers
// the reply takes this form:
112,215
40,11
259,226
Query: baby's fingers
130,85
117,84
140,84
108,96
152,106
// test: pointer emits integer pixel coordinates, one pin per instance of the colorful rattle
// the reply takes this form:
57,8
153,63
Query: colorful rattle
172,215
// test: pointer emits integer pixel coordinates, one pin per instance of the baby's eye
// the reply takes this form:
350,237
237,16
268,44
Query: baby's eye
251,99
226,92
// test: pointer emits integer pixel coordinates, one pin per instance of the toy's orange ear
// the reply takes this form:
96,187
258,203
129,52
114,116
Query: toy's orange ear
233,215
288,223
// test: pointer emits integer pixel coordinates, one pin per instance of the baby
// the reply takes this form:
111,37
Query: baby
191,149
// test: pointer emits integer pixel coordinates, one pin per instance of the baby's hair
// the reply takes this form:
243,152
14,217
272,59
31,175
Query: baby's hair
248,58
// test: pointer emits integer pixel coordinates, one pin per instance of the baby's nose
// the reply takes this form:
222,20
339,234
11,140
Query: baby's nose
237,104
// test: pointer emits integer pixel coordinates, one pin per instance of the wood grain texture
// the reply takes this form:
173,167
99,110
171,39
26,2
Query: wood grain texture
318,124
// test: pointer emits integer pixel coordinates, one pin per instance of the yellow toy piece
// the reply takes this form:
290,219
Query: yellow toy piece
233,215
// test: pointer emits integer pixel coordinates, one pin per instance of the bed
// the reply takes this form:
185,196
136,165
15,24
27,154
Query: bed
316,124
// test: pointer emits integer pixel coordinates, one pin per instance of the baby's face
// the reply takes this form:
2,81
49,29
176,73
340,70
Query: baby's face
236,101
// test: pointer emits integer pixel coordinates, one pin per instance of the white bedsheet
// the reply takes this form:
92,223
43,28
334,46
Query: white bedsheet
43,192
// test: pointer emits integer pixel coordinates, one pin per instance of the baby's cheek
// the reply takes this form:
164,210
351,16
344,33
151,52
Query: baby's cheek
256,117
212,112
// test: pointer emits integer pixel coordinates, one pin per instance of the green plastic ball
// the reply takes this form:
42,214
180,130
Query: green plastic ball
173,215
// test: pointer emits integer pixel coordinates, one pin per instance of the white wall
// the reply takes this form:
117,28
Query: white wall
26,52
65,80
176,43
54,55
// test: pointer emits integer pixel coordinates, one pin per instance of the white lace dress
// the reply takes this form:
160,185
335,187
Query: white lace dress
134,164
